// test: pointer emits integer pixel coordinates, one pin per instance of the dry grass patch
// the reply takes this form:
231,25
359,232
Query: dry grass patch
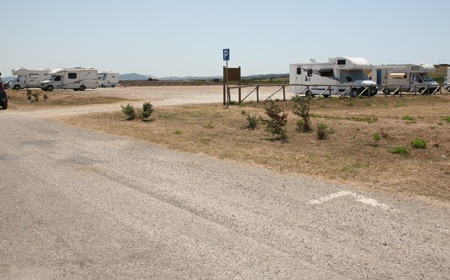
348,155
18,99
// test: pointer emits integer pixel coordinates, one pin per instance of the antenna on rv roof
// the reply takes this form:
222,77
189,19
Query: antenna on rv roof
313,60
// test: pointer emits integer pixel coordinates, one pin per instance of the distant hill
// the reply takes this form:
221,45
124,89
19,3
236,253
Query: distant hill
141,77
134,77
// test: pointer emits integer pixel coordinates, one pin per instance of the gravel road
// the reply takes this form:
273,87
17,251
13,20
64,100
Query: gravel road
76,204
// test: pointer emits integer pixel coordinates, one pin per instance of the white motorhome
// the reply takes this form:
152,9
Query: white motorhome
108,79
77,78
28,78
447,80
412,77
338,76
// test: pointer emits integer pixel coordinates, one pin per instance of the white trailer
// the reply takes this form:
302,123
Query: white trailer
77,78
447,80
338,76
28,78
108,79
412,77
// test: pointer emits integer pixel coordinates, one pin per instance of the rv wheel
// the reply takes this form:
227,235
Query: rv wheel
354,93
49,88
309,93
386,91
82,88
16,87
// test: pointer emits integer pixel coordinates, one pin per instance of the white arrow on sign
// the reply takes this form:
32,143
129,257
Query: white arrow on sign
360,198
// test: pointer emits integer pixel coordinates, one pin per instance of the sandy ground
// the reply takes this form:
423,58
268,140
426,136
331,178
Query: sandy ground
161,96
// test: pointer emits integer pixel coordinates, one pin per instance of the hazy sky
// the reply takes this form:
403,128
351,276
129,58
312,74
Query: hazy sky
186,38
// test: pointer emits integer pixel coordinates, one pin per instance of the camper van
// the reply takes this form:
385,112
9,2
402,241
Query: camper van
447,80
409,76
28,78
338,76
108,79
71,78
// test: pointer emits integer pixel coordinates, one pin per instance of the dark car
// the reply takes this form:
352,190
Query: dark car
3,97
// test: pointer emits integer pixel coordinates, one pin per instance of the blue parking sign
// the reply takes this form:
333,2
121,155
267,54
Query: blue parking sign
226,54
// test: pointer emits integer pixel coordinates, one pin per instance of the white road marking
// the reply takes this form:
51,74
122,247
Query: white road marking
360,198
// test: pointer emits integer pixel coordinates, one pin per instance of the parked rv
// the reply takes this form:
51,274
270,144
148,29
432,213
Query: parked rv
340,75
447,80
108,79
3,97
409,76
71,78
28,78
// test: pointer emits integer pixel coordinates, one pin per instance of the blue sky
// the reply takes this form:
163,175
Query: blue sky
186,38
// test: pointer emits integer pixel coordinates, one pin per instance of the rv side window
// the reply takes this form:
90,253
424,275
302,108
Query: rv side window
310,72
72,75
299,70
34,76
341,62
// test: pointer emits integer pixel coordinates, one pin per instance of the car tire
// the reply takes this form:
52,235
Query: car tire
16,87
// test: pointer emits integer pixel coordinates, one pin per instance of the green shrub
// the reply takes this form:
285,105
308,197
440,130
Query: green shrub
277,122
147,110
252,121
419,143
408,118
377,137
301,109
446,119
400,151
322,131
129,111
178,132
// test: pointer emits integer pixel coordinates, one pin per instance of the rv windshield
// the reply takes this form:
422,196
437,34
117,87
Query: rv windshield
54,78
426,78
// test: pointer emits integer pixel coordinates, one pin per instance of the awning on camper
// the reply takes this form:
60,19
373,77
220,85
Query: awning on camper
397,75
321,70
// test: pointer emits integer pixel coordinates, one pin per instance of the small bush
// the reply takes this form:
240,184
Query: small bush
299,125
400,151
376,138
419,143
277,122
408,118
322,131
301,109
129,111
36,96
45,97
147,110
446,119
252,121
178,132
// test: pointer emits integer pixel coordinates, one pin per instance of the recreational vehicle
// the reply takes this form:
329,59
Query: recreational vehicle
71,78
447,80
338,76
412,77
108,79
28,78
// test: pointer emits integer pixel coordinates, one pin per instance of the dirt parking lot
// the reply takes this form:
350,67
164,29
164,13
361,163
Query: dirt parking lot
349,155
